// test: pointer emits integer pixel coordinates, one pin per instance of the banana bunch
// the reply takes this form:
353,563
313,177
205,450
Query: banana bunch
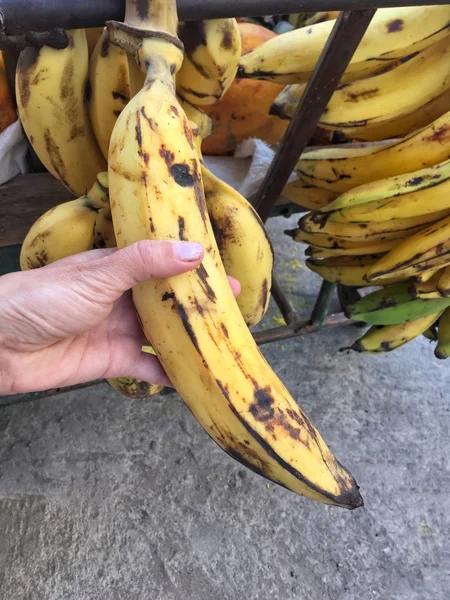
340,168
193,321
407,96
392,233
393,35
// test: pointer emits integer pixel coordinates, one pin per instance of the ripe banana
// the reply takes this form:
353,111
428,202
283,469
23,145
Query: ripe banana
344,169
93,34
380,339
241,237
393,305
51,98
381,99
336,270
412,195
307,196
316,222
104,236
426,289
442,349
193,321
64,230
431,333
110,89
320,17
394,33
352,249
443,284
427,249
134,388
212,53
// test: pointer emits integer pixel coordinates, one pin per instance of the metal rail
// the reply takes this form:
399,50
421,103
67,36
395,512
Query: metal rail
43,15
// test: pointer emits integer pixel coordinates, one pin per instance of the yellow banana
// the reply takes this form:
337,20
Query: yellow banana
385,338
51,98
379,247
320,17
110,89
93,34
134,388
193,321
366,232
212,53
411,195
104,236
443,285
197,116
344,169
307,196
381,99
241,237
442,349
426,275
426,289
63,230
393,33
345,272
427,249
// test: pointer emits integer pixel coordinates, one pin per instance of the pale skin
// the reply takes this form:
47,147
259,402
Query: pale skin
74,321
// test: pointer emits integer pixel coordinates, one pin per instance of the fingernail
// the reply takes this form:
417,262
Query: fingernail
188,251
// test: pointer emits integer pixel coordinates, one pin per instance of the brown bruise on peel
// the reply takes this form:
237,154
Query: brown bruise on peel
142,8
27,60
363,95
167,155
181,226
193,35
439,135
264,293
181,175
40,238
395,25
40,260
54,154
203,276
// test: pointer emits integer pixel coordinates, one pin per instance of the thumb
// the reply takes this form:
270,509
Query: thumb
110,276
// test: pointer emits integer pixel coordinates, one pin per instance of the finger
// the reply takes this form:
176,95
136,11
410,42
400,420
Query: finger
235,286
110,276
81,258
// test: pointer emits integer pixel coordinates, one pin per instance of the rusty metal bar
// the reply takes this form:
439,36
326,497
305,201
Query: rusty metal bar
286,332
43,15
337,53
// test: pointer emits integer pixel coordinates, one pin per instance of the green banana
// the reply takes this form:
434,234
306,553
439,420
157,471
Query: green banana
380,339
393,305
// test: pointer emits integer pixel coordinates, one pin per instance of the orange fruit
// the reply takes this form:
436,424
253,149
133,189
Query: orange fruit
7,108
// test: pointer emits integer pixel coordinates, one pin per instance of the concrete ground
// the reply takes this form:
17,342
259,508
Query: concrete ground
102,497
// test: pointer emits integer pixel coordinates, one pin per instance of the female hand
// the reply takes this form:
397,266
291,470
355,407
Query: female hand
74,320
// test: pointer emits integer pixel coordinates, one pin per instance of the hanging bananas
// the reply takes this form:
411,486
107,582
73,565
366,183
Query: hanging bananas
193,321
51,88
393,34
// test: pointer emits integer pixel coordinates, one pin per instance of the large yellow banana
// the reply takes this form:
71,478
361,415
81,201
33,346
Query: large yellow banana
212,53
64,230
309,197
193,321
344,169
427,249
385,338
386,230
110,89
346,272
51,90
379,247
411,195
392,34
381,99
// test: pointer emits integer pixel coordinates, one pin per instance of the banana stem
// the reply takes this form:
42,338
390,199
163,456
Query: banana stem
152,15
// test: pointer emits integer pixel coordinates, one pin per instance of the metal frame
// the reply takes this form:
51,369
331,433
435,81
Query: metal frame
23,16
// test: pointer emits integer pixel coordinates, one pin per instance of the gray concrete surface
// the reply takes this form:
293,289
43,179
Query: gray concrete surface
106,498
